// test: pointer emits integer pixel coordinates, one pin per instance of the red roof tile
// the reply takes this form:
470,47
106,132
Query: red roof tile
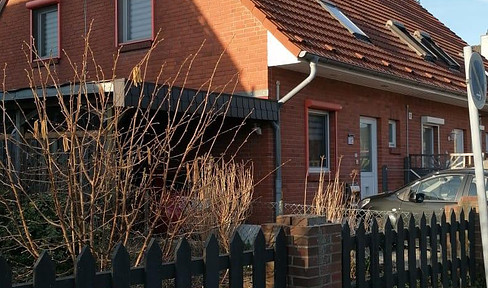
304,25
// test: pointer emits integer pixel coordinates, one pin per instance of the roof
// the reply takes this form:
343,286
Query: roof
304,25
188,100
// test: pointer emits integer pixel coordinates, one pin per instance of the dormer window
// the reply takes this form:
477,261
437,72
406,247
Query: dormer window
427,41
344,20
398,29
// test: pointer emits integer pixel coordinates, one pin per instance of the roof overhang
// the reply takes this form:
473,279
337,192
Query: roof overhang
48,92
176,99
339,71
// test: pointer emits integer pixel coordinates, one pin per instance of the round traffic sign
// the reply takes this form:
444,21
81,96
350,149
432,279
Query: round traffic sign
477,80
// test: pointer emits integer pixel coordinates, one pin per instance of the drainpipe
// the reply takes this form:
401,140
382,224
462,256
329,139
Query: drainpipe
294,91
277,130
277,143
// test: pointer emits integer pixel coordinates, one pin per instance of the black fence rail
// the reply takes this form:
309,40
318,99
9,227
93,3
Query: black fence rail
418,165
439,254
152,273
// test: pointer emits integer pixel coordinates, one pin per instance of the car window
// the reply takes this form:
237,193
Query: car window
472,187
441,188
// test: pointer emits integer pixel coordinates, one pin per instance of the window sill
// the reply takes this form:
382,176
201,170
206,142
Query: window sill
126,47
395,151
314,175
40,62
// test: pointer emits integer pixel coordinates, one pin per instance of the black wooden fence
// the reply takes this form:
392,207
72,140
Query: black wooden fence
437,255
153,271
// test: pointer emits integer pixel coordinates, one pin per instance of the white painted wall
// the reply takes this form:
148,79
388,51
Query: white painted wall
277,53
484,46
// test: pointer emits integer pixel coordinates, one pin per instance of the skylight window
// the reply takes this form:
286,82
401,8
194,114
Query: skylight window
407,38
427,41
346,22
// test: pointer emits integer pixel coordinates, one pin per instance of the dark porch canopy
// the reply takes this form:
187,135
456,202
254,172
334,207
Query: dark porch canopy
189,100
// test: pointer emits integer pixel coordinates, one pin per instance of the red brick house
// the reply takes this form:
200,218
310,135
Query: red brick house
372,82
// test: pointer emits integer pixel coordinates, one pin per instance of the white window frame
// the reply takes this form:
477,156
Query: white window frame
37,28
326,164
122,19
392,133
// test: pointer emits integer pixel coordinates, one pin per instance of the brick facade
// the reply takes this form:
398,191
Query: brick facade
357,101
188,27
203,28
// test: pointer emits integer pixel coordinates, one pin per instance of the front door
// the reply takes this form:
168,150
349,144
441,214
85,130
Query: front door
428,146
369,162
458,136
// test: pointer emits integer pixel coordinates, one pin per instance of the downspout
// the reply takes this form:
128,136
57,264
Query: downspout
277,131
305,82
407,140
277,142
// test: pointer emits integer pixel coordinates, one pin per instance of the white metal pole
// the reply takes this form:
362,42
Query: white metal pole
478,164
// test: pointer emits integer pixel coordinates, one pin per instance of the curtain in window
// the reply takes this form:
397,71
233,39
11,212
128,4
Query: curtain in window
46,31
317,140
135,20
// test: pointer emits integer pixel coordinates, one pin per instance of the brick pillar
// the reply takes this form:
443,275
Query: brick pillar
314,250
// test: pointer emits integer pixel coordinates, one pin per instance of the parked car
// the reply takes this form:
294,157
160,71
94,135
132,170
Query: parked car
429,194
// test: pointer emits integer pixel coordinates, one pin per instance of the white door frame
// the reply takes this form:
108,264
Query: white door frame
369,180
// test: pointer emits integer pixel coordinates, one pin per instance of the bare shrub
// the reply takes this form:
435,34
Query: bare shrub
331,200
94,173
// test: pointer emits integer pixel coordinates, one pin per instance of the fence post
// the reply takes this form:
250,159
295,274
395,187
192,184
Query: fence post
314,250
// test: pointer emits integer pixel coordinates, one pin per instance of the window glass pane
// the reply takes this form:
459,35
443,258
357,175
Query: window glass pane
473,190
135,20
392,133
486,142
46,31
366,148
318,140
442,188
343,19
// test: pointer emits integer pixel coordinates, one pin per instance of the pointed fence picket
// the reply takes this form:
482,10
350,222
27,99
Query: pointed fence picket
152,273
427,254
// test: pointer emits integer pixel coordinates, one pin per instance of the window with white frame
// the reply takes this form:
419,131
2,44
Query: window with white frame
318,140
392,134
134,20
45,27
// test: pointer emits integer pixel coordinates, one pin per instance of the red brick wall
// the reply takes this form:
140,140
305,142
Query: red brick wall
356,101
184,25
251,146
313,247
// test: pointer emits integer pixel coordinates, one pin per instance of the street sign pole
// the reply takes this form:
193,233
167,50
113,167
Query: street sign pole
475,82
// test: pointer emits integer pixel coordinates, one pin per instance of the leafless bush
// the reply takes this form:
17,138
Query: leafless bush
331,199
95,173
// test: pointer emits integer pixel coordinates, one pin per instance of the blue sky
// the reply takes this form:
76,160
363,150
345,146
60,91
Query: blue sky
467,18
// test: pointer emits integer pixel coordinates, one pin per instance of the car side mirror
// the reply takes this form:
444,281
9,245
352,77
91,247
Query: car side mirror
416,197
